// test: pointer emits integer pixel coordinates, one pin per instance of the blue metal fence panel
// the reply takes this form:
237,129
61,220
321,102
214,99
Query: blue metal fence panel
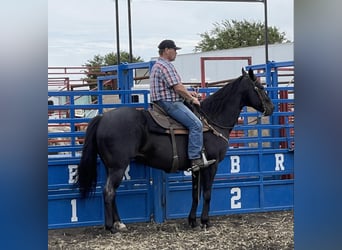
249,182
66,209
62,173
134,195
133,205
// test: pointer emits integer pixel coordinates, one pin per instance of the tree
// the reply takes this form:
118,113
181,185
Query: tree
237,34
111,59
93,67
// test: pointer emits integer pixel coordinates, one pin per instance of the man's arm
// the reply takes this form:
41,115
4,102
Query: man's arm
187,95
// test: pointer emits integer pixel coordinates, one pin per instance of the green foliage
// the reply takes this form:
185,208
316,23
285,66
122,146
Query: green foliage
93,67
237,34
111,59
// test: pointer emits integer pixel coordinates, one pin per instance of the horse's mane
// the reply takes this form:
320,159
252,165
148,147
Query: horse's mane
215,103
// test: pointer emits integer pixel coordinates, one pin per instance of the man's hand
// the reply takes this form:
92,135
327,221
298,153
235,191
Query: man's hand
193,93
195,101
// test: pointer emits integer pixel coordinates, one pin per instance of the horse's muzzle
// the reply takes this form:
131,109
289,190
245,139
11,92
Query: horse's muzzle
268,110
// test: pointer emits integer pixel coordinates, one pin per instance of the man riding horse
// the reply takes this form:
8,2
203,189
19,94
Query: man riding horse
168,92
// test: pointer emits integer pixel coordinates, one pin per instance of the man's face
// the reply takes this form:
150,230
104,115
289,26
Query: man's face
170,54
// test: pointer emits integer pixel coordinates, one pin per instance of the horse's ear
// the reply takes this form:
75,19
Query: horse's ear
251,74
243,71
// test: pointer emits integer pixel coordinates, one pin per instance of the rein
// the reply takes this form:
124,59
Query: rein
215,132
204,117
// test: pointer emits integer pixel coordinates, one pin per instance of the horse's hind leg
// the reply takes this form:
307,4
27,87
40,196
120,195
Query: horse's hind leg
112,218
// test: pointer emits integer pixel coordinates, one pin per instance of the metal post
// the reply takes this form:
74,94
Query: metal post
130,59
117,31
266,32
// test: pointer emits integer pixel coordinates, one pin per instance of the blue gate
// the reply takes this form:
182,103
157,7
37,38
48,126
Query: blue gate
256,174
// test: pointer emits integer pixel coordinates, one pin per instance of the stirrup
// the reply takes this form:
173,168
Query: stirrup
206,163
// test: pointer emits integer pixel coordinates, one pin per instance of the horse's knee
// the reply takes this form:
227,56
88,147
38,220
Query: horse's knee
207,196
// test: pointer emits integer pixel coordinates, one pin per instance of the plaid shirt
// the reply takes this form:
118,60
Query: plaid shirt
163,77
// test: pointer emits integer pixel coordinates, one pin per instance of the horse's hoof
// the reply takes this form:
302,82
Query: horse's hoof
194,225
116,228
206,226
112,230
196,228
119,226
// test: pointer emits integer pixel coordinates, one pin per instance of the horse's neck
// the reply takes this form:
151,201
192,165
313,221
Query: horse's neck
228,115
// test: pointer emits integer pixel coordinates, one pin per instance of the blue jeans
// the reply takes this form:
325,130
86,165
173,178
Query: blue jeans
181,113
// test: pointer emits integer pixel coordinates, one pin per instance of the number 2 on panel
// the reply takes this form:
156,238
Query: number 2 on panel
235,198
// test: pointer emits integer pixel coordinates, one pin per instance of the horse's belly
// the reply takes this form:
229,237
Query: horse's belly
160,153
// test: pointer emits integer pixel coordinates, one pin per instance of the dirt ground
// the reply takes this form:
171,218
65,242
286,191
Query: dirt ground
271,230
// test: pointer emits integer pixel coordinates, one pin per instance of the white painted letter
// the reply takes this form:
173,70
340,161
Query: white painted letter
235,164
72,173
126,175
279,162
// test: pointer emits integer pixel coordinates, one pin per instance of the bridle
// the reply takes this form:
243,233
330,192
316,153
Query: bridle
258,90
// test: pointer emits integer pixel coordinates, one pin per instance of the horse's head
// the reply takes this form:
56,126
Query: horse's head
257,97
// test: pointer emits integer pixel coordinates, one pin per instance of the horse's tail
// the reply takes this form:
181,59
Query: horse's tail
87,169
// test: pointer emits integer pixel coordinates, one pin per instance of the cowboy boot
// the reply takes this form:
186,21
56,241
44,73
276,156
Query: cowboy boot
197,164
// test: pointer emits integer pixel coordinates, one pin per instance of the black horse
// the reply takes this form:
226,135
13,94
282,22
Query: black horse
123,134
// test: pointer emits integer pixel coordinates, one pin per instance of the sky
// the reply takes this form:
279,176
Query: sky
80,29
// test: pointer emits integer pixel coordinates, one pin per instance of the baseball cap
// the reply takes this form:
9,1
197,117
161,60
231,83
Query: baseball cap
168,44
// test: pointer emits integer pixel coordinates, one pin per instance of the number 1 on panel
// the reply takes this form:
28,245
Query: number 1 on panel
74,217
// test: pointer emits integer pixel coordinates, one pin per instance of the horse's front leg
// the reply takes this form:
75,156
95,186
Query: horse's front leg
207,184
195,199
205,221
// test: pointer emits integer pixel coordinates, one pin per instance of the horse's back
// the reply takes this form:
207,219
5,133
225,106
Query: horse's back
121,126
122,118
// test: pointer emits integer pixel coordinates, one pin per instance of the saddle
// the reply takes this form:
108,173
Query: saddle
167,125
